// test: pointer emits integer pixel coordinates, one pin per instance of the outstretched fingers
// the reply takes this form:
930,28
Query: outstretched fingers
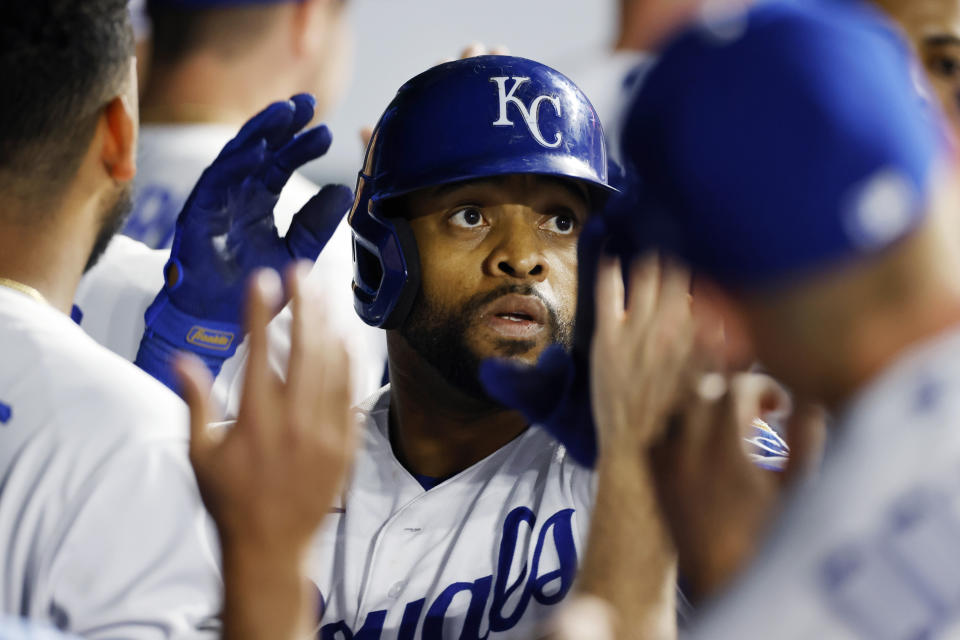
314,225
270,125
609,297
318,374
295,153
306,368
195,383
644,290
259,400
304,108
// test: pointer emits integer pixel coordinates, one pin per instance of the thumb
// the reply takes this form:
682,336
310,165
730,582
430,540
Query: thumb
195,383
314,224
534,391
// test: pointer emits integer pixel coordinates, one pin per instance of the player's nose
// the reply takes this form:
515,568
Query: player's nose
517,252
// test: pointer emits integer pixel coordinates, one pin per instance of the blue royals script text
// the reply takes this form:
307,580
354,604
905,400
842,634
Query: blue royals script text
508,602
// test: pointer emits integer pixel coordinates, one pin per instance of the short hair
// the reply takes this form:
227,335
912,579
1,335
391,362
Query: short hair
178,32
61,61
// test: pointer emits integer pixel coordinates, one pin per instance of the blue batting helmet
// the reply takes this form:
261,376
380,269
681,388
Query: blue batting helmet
472,118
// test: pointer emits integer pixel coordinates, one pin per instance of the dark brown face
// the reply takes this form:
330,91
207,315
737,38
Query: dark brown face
498,264
941,58
933,27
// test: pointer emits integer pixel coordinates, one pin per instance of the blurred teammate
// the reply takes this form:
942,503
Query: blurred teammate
933,27
640,29
213,65
104,534
844,276
102,527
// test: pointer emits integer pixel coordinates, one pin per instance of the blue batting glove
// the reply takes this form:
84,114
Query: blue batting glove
555,394
226,231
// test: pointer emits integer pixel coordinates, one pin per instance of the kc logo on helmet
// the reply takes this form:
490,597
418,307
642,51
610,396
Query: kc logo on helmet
531,115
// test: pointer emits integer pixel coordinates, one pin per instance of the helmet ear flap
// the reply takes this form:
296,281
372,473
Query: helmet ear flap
386,264
408,292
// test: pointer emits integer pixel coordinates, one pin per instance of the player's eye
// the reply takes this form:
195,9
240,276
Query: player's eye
945,66
563,224
467,218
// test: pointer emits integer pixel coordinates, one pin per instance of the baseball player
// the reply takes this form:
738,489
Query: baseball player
268,482
815,189
459,518
236,56
102,528
933,28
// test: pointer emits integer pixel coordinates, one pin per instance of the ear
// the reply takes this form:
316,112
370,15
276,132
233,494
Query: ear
308,26
121,123
721,325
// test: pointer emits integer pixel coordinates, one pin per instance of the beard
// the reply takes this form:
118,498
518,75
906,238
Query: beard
439,336
114,216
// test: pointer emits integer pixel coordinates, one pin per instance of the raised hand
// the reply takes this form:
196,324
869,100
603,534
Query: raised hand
226,231
641,351
269,480
639,358
717,502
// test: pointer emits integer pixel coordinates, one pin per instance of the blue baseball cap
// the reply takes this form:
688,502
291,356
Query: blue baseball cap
780,141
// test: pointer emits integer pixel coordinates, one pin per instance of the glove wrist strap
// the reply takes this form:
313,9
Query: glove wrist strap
169,330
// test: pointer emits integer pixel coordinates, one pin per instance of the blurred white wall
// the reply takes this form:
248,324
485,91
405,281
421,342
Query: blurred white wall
397,39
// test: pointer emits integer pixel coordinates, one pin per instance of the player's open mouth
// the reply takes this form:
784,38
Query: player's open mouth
516,316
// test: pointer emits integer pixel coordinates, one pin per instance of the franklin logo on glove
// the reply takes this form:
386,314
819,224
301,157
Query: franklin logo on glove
203,337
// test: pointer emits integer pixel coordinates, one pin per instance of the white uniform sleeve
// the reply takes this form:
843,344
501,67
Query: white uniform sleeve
115,294
135,559
16,629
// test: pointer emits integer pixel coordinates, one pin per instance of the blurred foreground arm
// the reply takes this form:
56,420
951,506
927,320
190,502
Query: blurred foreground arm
638,359
717,502
269,481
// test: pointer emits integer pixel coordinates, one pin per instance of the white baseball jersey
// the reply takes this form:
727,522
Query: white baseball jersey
114,295
170,159
488,551
102,532
15,629
870,549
